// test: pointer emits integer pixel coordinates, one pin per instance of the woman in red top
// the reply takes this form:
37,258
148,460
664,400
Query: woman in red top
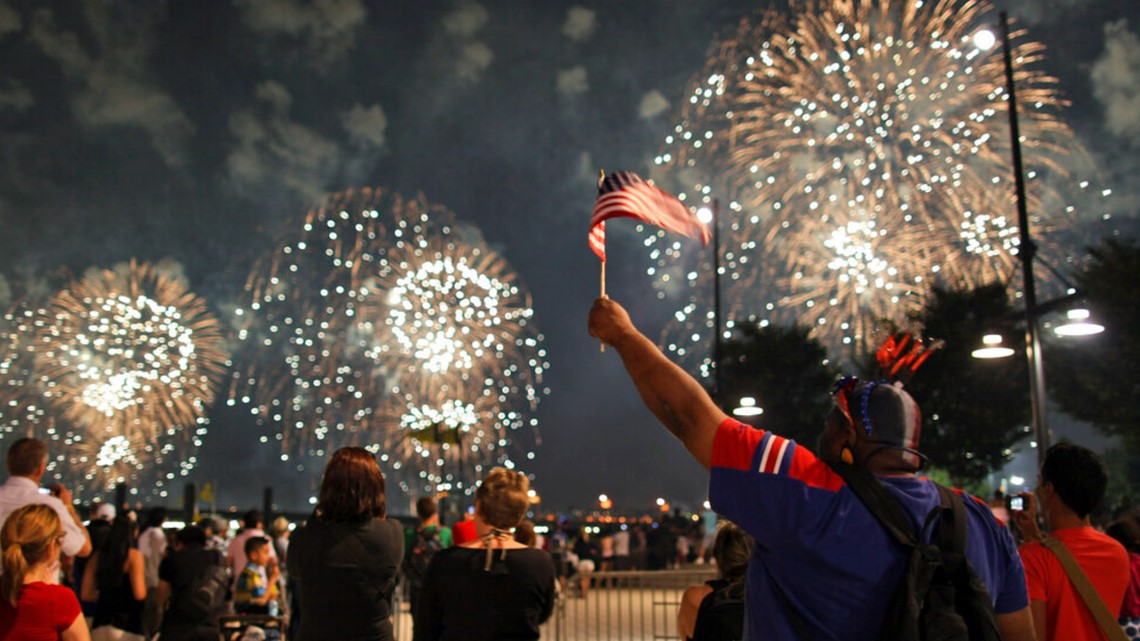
32,604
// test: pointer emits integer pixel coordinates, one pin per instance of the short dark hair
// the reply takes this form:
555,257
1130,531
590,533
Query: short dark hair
191,535
155,516
251,519
25,456
352,488
1127,531
425,507
254,543
1077,475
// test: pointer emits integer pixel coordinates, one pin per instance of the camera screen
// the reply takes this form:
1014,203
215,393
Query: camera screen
1017,503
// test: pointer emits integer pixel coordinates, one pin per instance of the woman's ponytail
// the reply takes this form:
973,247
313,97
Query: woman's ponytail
15,568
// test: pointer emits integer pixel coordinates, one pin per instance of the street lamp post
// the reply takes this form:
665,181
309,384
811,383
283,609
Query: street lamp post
716,297
712,216
1026,254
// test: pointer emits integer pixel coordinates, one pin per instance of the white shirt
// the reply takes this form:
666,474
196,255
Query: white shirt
19,491
621,543
152,544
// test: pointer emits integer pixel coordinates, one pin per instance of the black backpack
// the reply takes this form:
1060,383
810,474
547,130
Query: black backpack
941,597
418,557
205,596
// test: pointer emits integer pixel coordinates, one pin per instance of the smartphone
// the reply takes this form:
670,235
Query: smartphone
1015,503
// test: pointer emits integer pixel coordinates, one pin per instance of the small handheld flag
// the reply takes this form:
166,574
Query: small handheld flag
624,194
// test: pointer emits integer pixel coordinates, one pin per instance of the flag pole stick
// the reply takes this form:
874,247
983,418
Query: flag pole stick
602,345
601,178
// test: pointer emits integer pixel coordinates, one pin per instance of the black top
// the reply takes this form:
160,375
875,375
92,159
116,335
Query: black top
346,573
720,616
463,602
180,569
117,606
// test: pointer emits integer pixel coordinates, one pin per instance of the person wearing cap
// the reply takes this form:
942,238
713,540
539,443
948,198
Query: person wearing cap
820,556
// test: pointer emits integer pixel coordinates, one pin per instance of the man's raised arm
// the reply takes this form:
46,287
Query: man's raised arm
674,397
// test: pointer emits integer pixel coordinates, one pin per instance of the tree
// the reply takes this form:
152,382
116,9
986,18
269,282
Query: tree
788,374
973,411
1094,378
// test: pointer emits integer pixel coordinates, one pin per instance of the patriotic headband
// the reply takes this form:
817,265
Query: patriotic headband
897,420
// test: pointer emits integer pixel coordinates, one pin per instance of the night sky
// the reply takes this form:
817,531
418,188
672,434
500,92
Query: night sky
190,131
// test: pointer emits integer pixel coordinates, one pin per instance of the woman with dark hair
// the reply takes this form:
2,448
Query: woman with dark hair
493,587
345,557
32,606
714,611
115,579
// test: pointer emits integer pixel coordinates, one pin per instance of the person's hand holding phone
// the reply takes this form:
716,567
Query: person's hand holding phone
61,493
1026,517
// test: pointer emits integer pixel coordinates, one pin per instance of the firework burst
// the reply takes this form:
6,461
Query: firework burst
862,149
446,436
118,368
372,297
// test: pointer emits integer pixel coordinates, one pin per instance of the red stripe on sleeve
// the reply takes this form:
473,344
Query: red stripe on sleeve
734,445
814,472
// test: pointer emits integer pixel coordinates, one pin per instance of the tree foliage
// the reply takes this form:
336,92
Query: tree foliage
1094,378
973,410
787,373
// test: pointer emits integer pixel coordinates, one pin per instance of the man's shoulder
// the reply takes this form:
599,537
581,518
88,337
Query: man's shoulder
1094,541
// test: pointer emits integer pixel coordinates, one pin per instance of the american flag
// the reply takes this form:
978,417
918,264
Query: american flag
624,194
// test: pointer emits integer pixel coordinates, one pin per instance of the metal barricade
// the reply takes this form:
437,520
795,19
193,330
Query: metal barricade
615,606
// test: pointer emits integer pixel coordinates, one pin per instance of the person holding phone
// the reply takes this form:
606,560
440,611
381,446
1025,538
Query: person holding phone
1070,486
27,462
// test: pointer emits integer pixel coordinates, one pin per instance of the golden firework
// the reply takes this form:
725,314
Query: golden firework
374,293
116,370
861,149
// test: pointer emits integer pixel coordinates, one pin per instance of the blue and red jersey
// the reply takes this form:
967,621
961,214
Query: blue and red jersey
832,559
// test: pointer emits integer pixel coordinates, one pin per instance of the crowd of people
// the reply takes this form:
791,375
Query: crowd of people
845,541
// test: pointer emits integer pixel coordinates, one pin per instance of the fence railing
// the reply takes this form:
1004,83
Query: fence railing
614,606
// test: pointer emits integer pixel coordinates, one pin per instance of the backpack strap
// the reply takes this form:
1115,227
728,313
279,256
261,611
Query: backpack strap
950,536
879,501
1084,587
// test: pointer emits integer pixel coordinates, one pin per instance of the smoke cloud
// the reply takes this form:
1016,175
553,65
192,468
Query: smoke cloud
471,57
326,29
1116,81
271,149
652,104
14,96
580,24
111,90
9,20
366,126
572,82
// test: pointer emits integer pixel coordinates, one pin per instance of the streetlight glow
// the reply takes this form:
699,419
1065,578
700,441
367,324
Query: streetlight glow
748,407
985,39
992,348
1078,324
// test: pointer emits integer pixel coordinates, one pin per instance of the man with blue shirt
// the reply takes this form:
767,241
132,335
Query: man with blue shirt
820,556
